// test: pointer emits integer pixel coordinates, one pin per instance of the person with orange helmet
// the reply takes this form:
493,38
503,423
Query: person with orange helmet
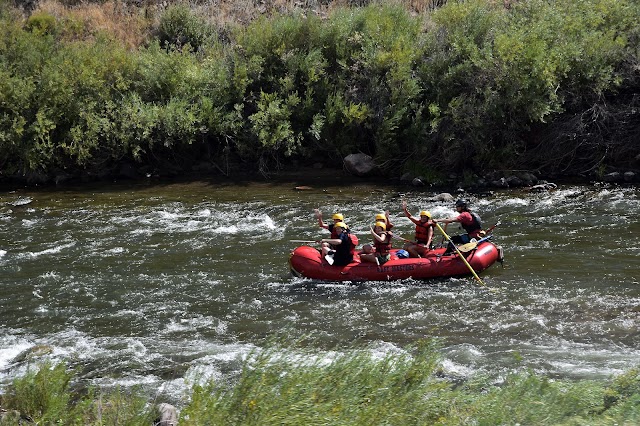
424,232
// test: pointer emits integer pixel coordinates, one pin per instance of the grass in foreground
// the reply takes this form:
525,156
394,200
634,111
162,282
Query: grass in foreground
351,387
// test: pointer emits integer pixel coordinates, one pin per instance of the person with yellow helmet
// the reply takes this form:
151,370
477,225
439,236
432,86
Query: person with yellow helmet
424,232
381,244
384,218
337,217
339,251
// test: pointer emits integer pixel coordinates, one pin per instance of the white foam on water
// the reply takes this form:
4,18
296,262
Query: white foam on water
382,349
124,313
453,368
51,275
10,348
116,250
137,348
177,327
2,253
513,202
126,382
53,250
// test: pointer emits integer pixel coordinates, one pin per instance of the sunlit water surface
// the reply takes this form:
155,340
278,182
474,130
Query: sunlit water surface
167,285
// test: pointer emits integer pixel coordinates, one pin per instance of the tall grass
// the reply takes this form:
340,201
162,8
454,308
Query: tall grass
290,385
44,395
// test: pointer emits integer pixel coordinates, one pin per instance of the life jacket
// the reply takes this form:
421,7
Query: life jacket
354,242
474,226
422,232
383,248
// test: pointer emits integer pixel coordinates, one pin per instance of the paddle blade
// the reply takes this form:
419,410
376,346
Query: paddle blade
468,247
329,259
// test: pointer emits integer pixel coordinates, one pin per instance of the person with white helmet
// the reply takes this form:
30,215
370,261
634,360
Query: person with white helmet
424,232
469,221
381,243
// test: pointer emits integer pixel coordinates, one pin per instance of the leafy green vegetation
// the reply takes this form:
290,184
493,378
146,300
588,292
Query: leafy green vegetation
295,386
44,396
472,85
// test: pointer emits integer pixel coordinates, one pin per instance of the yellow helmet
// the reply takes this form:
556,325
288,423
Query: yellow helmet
338,216
381,217
340,225
381,225
425,213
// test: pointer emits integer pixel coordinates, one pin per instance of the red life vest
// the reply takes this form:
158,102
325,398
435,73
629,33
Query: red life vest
383,248
471,223
354,242
422,232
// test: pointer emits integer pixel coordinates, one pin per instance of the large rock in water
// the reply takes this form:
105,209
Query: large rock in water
359,164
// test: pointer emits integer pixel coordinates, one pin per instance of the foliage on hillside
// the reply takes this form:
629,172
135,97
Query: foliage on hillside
352,388
472,85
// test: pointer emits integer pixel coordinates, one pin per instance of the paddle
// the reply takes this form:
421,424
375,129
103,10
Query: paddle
473,244
444,234
404,239
488,231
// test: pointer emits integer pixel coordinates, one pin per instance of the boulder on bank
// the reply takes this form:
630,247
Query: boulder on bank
543,186
417,182
613,177
168,415
444,197
359,164
32,353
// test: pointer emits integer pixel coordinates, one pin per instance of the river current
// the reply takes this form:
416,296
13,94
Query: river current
166,285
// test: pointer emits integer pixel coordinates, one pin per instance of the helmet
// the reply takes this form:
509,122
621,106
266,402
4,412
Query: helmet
381,217
381,225
402,254
461,203
425,213
340,225
338,216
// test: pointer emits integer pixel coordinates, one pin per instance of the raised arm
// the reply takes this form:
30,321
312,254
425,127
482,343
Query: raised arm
321,224
407,214
386,215
380,238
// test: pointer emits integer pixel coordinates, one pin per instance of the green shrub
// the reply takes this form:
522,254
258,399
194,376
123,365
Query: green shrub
42,23
180,26
42,394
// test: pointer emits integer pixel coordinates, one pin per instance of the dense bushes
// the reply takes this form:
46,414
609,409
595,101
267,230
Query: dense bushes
297,386
459,88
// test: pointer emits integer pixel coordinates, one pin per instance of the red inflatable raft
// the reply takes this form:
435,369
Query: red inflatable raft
307,262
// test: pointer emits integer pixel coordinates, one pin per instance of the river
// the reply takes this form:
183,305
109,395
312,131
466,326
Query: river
167,284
